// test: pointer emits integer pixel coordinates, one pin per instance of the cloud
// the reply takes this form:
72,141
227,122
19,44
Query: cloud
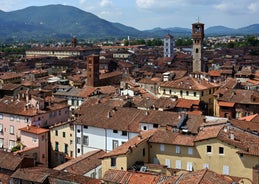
238,7
253,7
105,3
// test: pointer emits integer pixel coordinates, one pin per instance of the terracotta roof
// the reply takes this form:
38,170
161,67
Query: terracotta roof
34,130
169,137
186,103
82,164
204,176
227,104
118,176
189,83
43,175
251,127
248,118
10,86
214,73
208,133
9,161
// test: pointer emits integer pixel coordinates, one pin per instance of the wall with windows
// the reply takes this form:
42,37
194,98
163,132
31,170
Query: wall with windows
9,129
224,159
124,162
62,143
212,154
205,95
89,138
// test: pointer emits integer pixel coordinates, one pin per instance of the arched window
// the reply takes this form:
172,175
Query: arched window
197,50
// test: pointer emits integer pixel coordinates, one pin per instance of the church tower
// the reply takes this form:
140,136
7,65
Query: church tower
93,70
197,53
168,46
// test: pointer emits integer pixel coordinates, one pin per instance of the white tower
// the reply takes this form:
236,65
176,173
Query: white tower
168,46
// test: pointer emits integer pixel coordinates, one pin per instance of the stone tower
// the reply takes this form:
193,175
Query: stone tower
197,37
93,70
73,42
168,46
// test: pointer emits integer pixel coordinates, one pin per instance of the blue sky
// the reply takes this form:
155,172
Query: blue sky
148,14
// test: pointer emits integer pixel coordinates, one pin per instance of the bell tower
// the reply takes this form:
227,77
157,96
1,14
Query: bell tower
197,37
93,70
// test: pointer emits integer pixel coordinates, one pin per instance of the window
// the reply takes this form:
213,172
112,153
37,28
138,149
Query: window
1,116
78,130
226,170
1,128
202,93
181,93
17,118
197,50
143,152
56,133
1,142
189,166
11,118
11,144
85,140
64,134
42,137
56,146
221,150
144,127
59,112
85,127
168,163
194,93
155,125
205,166
66,149
115,131
178,164
78,140
162,147
78,150
124,133
11,129
190,151
209,149
113,161
93,175
177,149
115,144
187,93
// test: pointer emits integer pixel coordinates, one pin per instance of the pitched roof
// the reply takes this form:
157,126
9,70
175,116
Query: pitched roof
34,130
189,83
169,137
130,144
82,164
9,161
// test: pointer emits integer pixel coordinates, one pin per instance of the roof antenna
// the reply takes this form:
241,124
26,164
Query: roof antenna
198,19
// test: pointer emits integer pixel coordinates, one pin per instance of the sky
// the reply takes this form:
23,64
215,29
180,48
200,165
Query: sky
149,14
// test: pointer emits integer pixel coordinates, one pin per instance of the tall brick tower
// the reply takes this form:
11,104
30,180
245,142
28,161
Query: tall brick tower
73,42
197,37
93,70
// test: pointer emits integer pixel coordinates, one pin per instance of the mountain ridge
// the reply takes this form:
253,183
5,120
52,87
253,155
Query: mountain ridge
62,21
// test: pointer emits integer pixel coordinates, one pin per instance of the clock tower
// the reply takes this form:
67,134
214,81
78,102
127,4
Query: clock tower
197,37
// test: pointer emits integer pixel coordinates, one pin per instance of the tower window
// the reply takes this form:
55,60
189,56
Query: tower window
197,50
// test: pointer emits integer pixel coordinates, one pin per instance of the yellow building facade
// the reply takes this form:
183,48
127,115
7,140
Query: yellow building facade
62,143
222,155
